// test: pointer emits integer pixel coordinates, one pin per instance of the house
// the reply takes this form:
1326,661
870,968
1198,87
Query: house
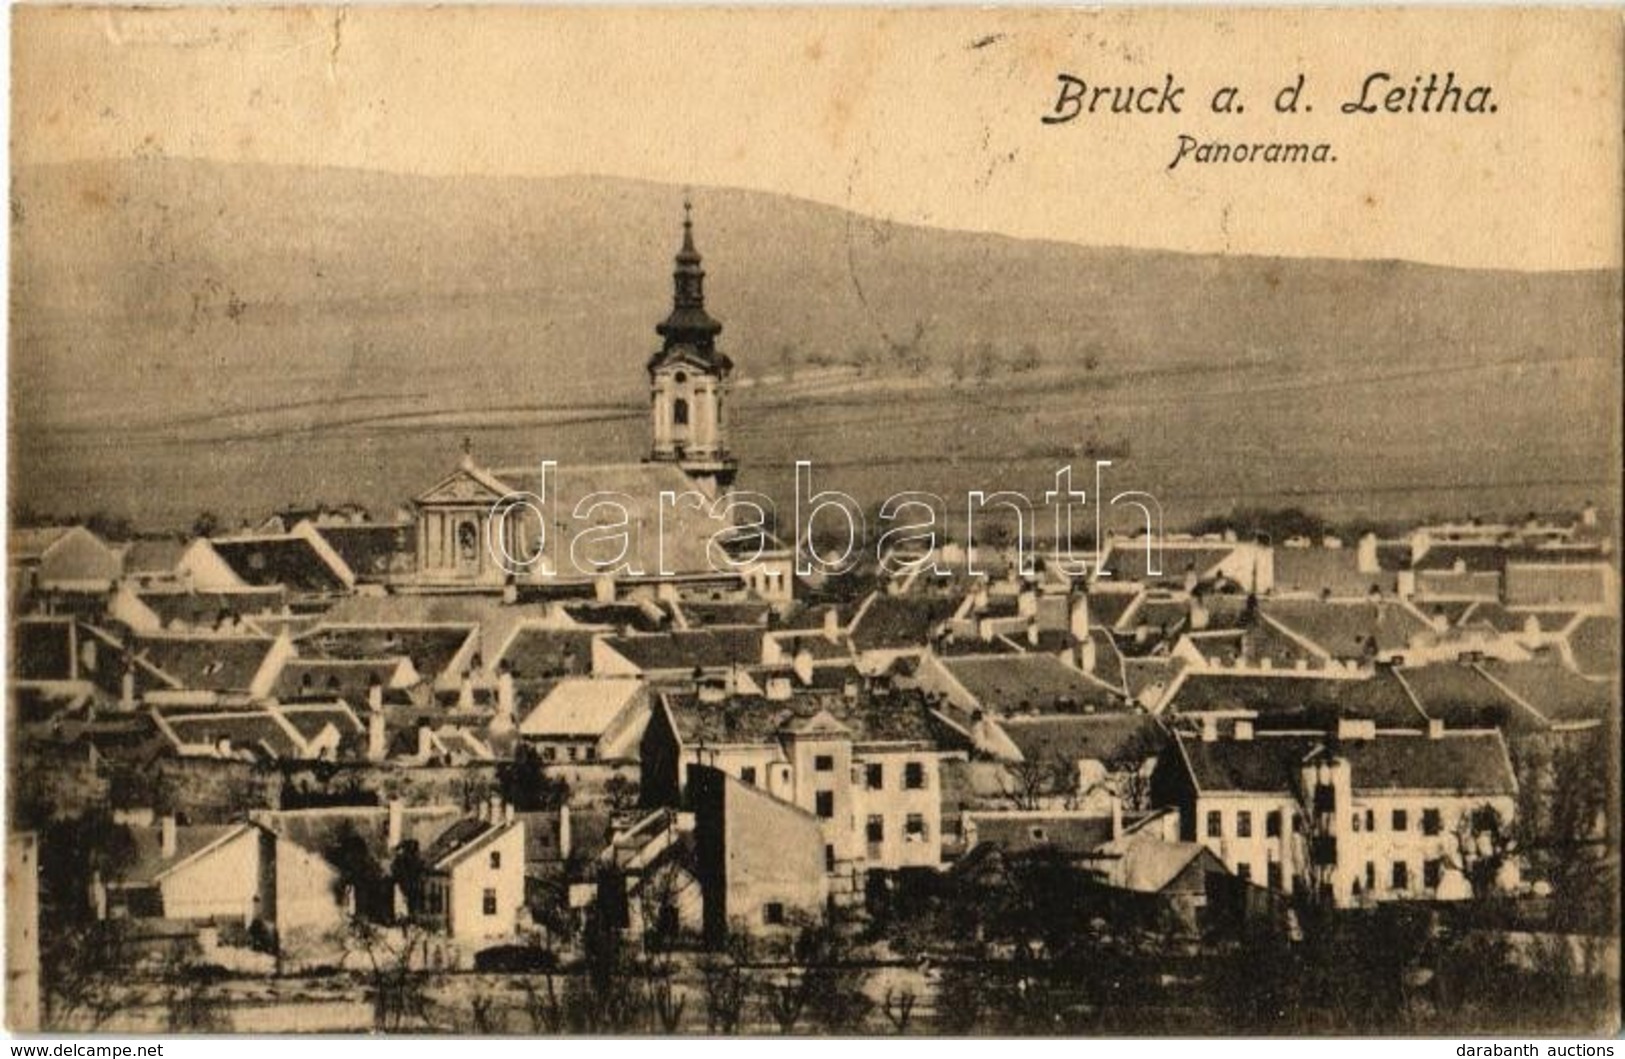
265,734
242,665
373,551
759,859
1145,861
586,719
866,768
67,558
1293,700
302,562
243,872
1355,813
178,608
1020,683
678,655
474,884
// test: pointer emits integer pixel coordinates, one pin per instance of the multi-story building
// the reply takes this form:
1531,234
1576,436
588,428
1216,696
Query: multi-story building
1357,814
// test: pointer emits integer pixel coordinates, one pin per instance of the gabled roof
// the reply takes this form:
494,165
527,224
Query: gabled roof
717,648
1125,560
537,652
1461,696
1554,691
309,719
888,622
372,549
582,707
464,839
636,617
204,609
202,662
318,830
291,560
752,719
1041,683
1293,700
344,678
192,842
1343,628
1120,741
1337,570
259,732
431,648
1458,763
42,648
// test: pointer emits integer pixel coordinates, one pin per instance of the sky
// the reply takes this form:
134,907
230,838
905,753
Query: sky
918,116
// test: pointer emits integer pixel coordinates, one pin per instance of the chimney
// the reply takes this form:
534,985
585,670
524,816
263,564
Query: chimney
1588,514
603,588
832,624
1191,580
979,600
1353,728
1142,633
984,629
510,591
126,688
507,813
1435,727
425,742
1243,731
377,747
375,694
1210,729
1365,556
493,809
1088,655
1032,632
168,842
803,664
397,817
505,703
564,831
1078,618
1027,602
778,688
465,691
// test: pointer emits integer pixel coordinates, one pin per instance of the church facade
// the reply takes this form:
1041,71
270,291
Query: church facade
663,520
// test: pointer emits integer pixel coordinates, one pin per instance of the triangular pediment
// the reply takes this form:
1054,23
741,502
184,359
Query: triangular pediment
466,485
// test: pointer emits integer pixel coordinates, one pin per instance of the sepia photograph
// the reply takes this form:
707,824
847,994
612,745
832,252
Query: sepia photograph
772,521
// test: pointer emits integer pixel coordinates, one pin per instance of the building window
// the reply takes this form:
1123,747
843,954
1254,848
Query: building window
875,830
829,858
1038,834
679,412
824,763
592,753
1371,820
1402,875
748,774
1215,824
773,914
1272,874
571,753
1432,870
1431,823
1272,824
914,828
489,901
1370,875
1244,824
914,776
1357,822
1244,872
875,777
550,753
1401,820
825,803
496,858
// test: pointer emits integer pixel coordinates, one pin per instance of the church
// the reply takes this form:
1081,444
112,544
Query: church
668,521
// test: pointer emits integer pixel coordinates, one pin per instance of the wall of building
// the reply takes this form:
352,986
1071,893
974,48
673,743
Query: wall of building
471,877
224,883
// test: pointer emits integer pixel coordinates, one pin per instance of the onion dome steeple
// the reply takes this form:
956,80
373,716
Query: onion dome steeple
689,324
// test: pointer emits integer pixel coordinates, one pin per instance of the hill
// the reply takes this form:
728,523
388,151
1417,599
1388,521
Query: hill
248,335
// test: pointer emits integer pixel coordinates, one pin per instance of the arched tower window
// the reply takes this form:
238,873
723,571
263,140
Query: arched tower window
679,412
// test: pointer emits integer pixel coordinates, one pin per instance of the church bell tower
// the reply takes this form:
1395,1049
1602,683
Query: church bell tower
688,379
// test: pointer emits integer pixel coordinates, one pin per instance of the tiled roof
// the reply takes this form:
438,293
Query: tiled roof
153,555
1141,673
704,648
1106,609
319,830
582,706
1019,832
31,542
1126,561
431,648
372,549
204,609
1121,741
1314,570
1464,763
1285,700
150,862
896,622
348,679
537,652
1462,696
1344,628
706,612
291,561
650,617
256,731
1502,619
204,662
901,717
1032,682
309,719
1554,691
